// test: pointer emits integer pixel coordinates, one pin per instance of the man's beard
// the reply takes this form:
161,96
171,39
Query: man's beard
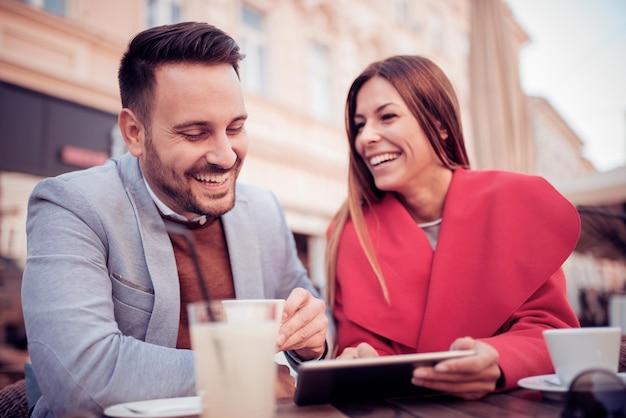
177,190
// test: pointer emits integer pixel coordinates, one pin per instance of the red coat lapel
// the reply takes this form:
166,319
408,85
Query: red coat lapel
502,236
405,258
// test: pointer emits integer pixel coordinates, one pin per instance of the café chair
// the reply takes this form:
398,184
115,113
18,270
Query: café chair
13,403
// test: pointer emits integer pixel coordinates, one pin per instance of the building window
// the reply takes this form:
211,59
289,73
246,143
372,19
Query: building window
254,45
320,99
53,6
164,12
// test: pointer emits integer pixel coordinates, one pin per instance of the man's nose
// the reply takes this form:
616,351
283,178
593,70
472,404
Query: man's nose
221,152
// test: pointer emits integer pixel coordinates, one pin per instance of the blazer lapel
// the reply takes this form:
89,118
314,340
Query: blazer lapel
159,256
243,250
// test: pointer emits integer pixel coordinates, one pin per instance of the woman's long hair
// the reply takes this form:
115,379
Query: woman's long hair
430,97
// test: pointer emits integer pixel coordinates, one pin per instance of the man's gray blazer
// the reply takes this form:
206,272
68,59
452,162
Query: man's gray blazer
100,283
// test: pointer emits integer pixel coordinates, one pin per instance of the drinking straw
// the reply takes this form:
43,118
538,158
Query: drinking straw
177,229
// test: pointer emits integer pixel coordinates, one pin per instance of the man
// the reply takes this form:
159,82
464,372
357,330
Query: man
106,285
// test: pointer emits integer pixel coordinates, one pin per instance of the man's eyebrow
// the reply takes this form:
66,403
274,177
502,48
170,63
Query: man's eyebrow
204,124
243,116
191,124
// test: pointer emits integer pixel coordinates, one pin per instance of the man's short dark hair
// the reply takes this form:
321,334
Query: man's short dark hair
185,42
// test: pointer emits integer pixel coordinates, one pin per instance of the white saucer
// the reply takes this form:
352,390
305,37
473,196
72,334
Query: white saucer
157,408
549,385
544,383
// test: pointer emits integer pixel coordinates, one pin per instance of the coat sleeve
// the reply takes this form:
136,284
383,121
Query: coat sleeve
520,342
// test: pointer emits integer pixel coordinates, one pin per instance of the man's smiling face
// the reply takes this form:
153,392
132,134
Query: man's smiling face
194,148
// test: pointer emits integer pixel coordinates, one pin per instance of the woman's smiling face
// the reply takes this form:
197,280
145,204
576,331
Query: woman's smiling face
391,141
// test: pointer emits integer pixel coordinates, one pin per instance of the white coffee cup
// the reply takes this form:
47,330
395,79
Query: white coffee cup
234,344
575,350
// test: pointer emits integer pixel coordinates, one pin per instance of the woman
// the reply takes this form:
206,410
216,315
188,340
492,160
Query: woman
428,255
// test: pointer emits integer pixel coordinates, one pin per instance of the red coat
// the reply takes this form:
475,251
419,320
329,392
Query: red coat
495,275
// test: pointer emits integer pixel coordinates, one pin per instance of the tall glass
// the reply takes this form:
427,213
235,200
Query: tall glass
234,342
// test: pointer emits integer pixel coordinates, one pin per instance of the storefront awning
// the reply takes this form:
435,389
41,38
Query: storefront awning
601,202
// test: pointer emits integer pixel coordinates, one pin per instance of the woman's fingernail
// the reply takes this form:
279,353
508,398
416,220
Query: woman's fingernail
441,367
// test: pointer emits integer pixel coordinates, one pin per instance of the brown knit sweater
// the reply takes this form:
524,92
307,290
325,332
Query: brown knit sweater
215,265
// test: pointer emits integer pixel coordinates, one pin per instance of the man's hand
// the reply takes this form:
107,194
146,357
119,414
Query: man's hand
285,383
469,377
303,326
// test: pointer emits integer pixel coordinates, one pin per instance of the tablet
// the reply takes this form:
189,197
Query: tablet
332,381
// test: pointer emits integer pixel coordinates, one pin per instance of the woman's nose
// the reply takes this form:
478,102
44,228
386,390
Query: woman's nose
368,134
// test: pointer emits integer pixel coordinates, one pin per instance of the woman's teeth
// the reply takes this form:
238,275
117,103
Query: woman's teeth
378,159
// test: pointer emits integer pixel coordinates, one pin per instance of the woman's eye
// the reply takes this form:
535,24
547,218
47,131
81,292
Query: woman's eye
388,116
358,127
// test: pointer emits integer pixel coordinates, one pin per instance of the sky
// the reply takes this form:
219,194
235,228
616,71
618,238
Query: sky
576,59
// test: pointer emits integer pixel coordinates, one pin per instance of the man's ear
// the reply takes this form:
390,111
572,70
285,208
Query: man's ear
132,130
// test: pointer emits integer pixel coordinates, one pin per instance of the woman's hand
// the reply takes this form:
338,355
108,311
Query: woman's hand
469,377
360,351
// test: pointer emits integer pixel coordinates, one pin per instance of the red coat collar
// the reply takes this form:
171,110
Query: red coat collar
502,236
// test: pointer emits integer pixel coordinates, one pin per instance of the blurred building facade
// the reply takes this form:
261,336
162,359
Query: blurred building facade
558,148
59,96
596,271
